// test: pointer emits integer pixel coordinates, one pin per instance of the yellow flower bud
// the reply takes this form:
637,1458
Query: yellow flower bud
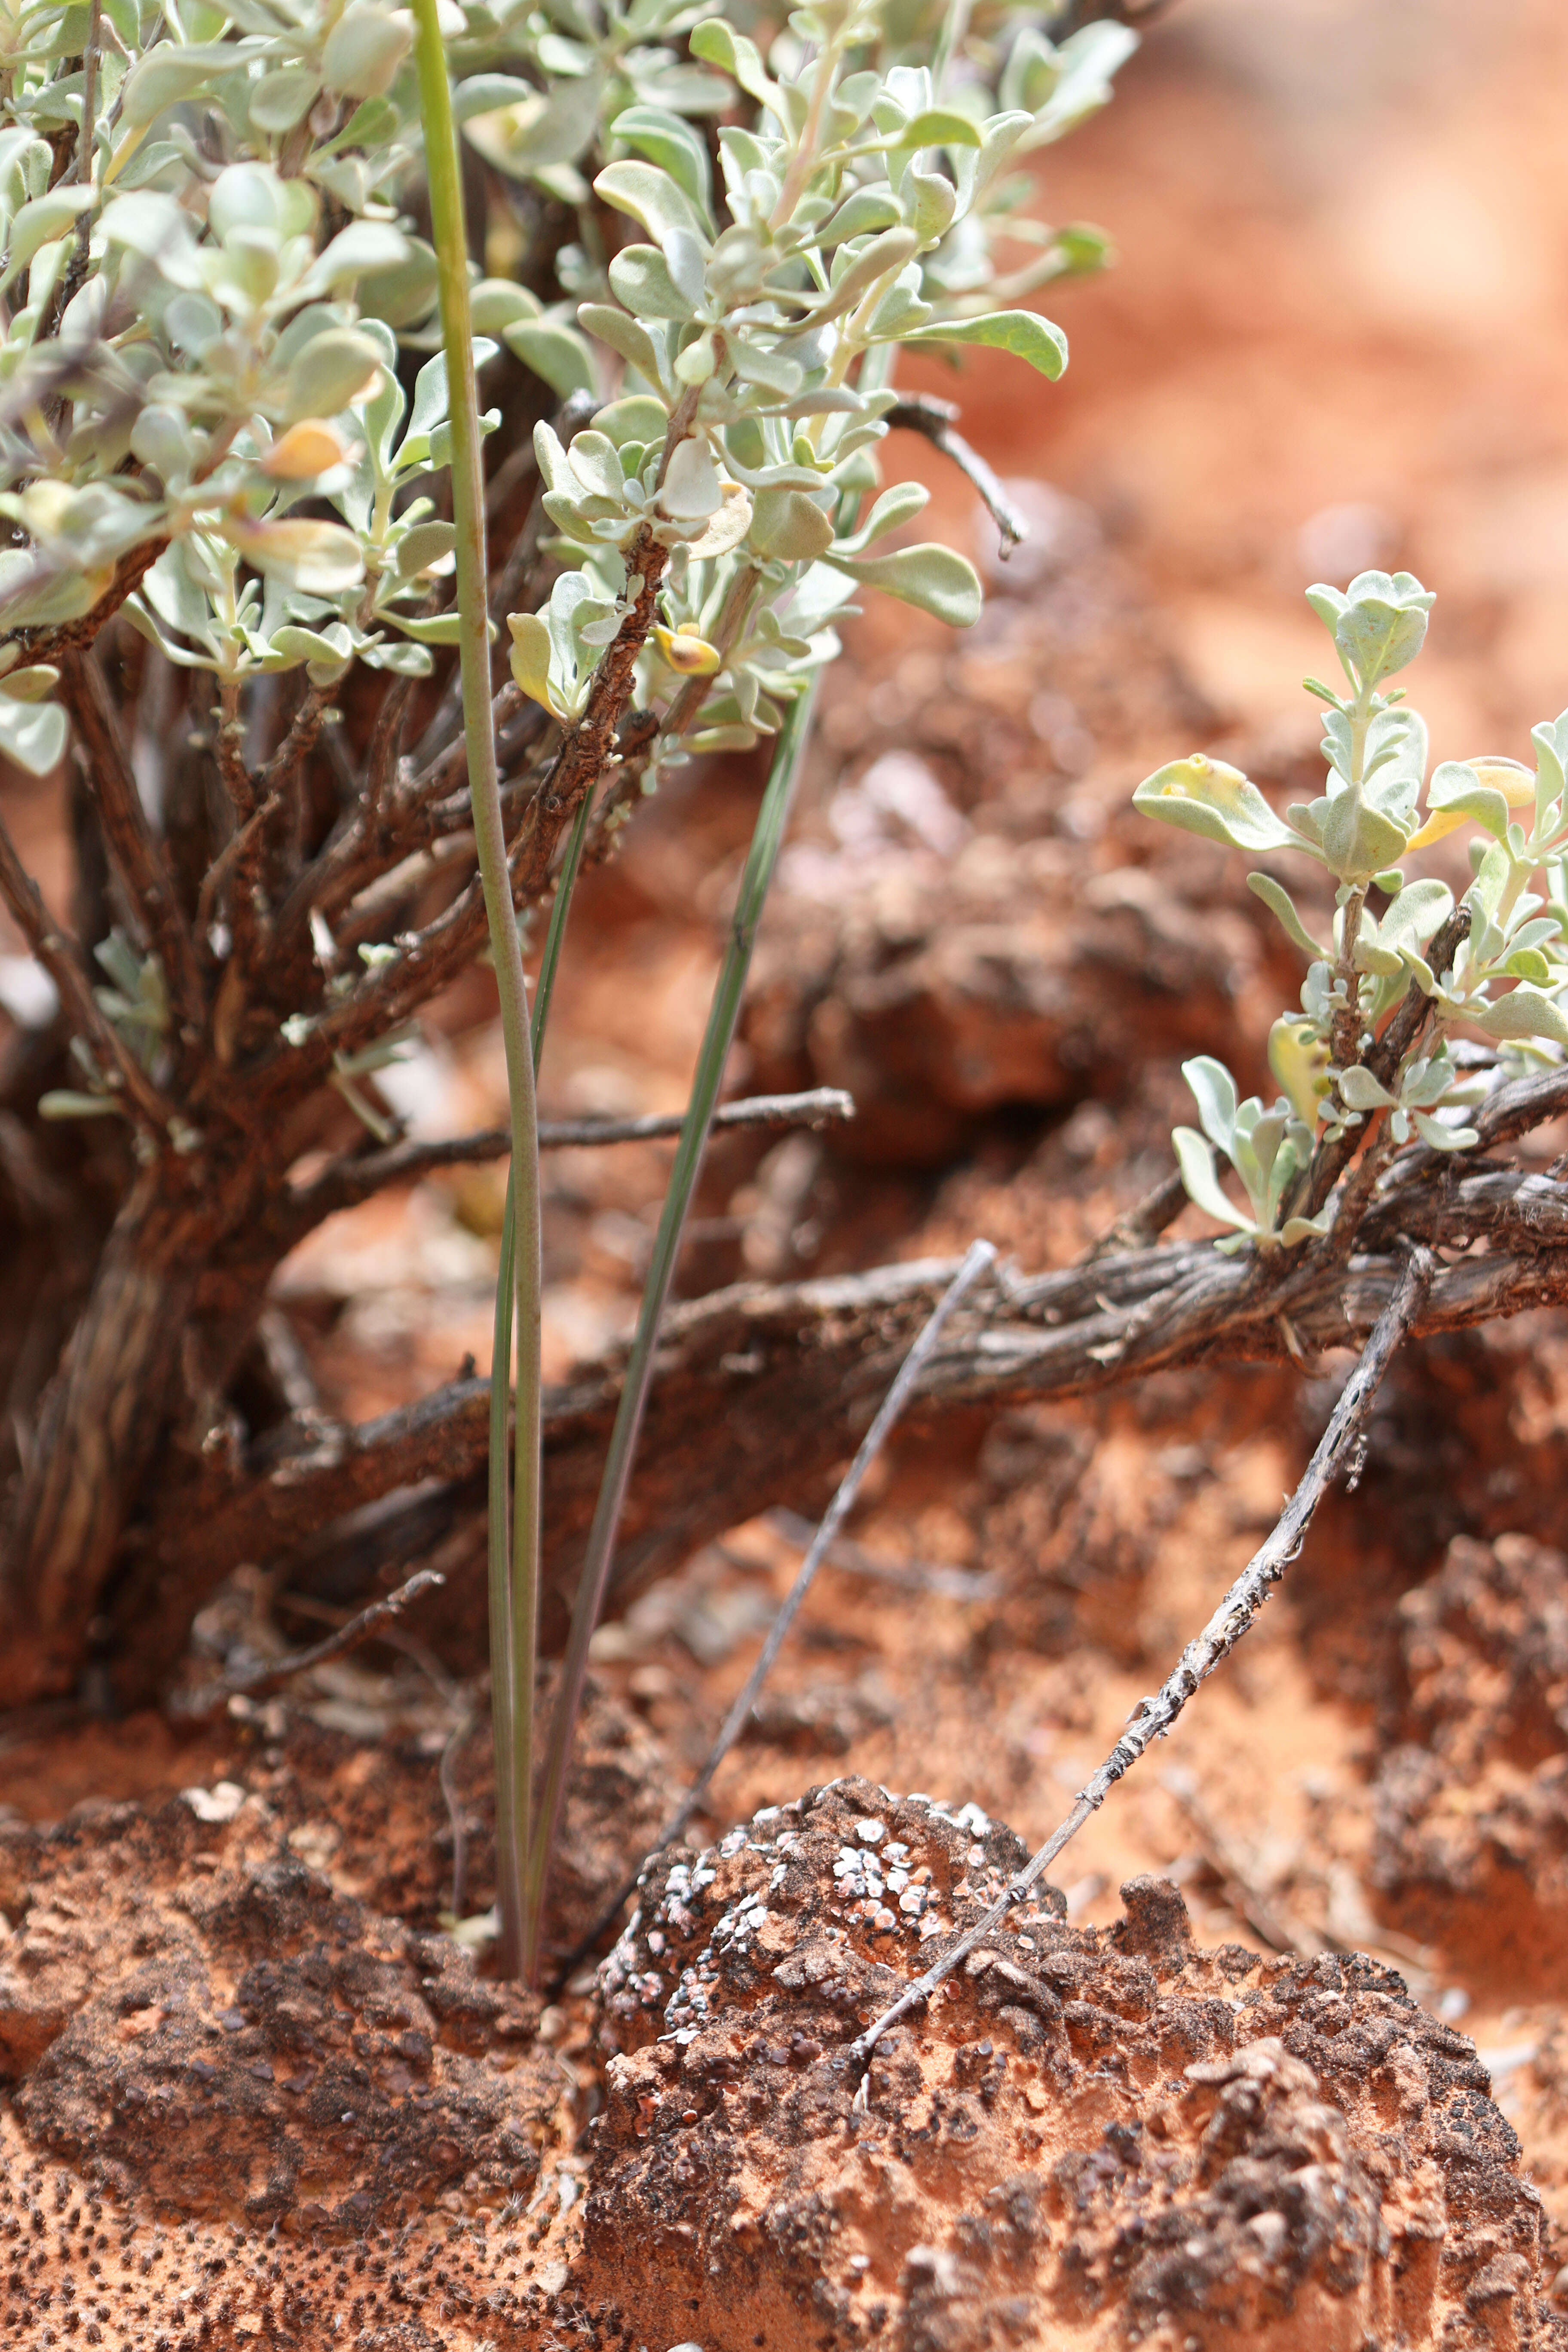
692,656
307,449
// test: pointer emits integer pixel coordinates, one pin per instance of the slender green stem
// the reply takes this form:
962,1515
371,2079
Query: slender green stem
512,1661
503,1666
594,1579
544,987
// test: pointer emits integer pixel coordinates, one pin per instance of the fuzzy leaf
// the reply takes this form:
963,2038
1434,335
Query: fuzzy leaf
40,223
1023,333
1280,903
624,334
940,126
789,526
1523,1012
895,508
1297,1058
1301,1229
558,355
932,577
1380,626
671,143
166,75
531,648
32,735
1207,796
321,559
1214,1091
1359,1090
1444,1139
651,196
641,282
335,367
1196,1162
715,42
727,528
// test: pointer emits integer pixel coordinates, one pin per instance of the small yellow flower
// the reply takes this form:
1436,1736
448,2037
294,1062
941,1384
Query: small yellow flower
692,656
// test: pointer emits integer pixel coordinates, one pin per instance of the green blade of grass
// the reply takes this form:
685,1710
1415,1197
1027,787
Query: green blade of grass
594,1579
514,1568
503,1668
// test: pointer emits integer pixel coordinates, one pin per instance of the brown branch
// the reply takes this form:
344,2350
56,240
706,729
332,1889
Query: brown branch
137,854
346,1181
426,963
238,783
62,960
280,772
1140,1226
786,1370
590,747
385,743
383,830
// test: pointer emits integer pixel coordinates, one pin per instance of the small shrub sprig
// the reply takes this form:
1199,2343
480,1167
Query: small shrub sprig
1503,961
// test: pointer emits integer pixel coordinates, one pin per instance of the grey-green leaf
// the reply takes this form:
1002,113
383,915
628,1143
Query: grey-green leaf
1023,333
936,578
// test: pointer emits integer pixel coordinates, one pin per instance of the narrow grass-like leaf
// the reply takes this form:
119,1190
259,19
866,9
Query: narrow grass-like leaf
514,1568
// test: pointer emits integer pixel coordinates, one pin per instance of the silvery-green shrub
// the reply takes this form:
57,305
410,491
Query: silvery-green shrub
1502,984
218,293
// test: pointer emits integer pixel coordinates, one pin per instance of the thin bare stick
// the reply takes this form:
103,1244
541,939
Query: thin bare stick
279,770
256,1681
1157,1715
81,173
922,413
341,1185
978,1259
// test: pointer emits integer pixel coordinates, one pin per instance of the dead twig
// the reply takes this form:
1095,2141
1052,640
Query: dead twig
343,1183
1157,1715
255,1682
923,413
939,1577
977,1260
782,1368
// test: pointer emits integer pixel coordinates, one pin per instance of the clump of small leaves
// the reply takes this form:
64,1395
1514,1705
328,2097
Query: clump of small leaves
1386,1047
